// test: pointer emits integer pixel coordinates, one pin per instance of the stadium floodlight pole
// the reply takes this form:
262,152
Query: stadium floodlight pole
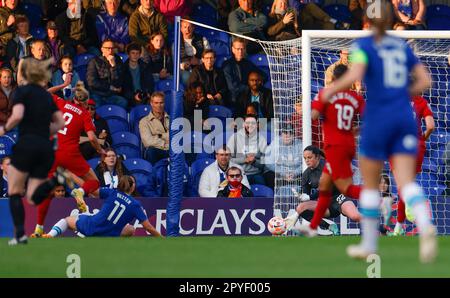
176,158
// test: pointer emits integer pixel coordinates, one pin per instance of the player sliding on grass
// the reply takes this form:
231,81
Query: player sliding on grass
339,145
113,218
389,129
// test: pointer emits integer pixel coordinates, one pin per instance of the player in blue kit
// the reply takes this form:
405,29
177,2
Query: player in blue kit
389,130
113,218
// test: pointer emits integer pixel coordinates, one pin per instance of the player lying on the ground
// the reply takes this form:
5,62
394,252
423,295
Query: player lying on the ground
339,115
118,209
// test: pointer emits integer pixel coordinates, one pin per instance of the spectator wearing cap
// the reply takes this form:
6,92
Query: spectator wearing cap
144,22
138,82
55,46
101,131
233,187
20,46
111,24
64,79
8,14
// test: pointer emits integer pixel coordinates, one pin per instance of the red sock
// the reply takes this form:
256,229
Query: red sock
42,211
322,205
90,186
353,191
401,215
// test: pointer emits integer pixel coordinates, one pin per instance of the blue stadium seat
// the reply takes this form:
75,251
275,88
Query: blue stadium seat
6,145
268,84
93,162
260,190
82,59
116,117
220,60
196,147
166,85
123,56
38,32
219,112
136,114
220,48
259,60
33,13
339,12
141,170
197,168
127,144
211,34
438,17
205,14
81,70
160,181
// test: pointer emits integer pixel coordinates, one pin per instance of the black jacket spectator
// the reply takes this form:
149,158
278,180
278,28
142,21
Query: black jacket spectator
225,192
147,84
101,76
197,43
13,50
236,75
265,102
213,81
86,148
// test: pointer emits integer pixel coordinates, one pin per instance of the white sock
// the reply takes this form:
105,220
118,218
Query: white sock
59,228
370,202
398,226
415,198
334,21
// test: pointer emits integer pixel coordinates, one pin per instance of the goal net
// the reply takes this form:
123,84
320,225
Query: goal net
297,71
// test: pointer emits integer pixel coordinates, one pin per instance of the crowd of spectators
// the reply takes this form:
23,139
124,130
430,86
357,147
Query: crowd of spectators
128,49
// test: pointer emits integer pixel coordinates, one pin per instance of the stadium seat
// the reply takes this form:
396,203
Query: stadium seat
82,59
93,162
438,17
268,84
219,112
116,117
260,190
6,145
211,34
259,60
126,144
197,168
221,48
220,60
205,14
195,146
33,13
123,56
136,114
166,85
141,170
160,182
38,32
339,12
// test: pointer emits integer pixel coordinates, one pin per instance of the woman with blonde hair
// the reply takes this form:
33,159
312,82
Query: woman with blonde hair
38,118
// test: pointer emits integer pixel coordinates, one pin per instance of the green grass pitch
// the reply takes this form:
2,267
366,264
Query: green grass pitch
244,257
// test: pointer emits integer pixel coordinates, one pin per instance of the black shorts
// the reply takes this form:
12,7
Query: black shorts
335,206
33,155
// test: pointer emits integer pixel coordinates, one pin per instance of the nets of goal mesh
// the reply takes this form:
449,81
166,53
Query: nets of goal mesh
286,71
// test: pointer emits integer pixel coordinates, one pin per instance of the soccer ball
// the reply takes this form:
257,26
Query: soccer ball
276,225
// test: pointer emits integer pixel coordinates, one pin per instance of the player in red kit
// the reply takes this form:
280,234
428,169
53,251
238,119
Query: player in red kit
68,156
421,111
338,127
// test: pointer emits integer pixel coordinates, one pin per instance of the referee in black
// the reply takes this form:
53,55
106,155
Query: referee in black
38,118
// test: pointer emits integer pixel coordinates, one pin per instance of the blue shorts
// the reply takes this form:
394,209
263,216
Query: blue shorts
88,226
84,225
383,138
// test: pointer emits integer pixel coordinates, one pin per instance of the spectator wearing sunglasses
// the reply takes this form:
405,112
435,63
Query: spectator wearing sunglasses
233,188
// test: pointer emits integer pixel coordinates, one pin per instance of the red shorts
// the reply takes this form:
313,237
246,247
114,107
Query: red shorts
339,161
419,158
72,161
